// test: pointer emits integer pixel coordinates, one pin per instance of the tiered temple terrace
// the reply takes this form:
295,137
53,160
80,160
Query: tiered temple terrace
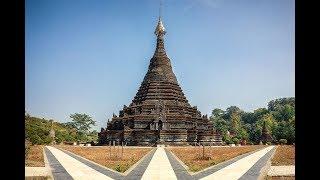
160,112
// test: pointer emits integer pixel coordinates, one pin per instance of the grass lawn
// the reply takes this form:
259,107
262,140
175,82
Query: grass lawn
284,155
192,156
35,156
101,155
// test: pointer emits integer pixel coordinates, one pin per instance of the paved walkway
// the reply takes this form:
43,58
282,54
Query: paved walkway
75,168
282,171
159,167
156,165
239,168
37,171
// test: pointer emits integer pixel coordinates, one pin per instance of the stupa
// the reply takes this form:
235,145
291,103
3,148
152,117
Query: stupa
160,113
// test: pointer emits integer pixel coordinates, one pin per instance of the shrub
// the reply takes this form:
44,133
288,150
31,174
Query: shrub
121,167
283,141
229,141
235,140
250,143
35,139
118,168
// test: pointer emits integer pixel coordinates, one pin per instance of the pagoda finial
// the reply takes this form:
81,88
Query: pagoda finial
160,30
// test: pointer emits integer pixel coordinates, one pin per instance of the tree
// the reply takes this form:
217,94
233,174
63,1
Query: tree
219,124
217,113
70,125
285,130
248,118
235,122
243,134
232,110
284,113
274,105
93,136
259,113
83,123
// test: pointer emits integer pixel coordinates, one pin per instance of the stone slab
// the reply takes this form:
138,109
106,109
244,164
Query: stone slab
240,167
159,167
282,171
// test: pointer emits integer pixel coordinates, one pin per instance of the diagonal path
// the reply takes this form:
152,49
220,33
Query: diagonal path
58,171
240,167
158,164
135,173
159,167
75,168
255,171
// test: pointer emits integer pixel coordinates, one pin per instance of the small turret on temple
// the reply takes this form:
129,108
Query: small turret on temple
160,112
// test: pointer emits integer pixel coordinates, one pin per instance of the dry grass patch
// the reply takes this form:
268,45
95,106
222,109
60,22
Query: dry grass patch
34,156
193,158
280,178
285,155
37,178
101,155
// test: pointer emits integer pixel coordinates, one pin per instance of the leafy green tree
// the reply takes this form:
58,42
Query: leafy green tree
284,113
248,118
93,136
221,125
243,134
217,113
255,133
232,110
70,125
274,105
82,122
285,130
227,139
259,113
235,122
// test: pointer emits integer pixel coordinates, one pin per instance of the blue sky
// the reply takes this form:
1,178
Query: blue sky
90,56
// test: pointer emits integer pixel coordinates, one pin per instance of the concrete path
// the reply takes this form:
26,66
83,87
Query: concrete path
37,171
156,165
75,168
159,167
240,167
282,171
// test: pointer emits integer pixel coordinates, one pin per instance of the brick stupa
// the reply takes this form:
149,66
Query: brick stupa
160,112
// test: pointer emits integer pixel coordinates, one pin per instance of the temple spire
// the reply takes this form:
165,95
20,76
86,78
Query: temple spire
160,30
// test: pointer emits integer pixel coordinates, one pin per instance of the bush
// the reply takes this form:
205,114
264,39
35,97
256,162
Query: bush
121,167
228,140
35,139
235,140
283,141
250,143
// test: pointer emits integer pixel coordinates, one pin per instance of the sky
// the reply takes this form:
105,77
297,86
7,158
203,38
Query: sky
90,56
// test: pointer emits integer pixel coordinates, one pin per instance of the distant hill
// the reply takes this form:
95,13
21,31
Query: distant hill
37,131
